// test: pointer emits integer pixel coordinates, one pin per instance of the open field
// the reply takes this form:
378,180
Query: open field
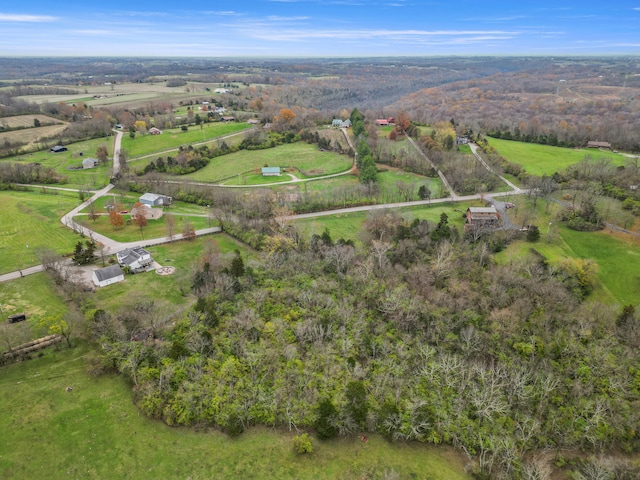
349,225
33,219
173,138
131,233
95,432
545,159
92,178
33,295
31,136
117,93
303,156
26,121
617,255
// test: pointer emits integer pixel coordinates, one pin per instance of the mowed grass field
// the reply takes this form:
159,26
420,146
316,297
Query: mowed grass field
92,178
544,159
33,219
307,158
95,432
148,144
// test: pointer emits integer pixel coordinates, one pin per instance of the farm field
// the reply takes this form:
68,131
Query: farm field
94,431
92,178
545,159
27,121
174,138
31,136
33,219
305,157
115,93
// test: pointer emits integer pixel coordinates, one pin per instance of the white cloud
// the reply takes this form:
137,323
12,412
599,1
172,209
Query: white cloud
14,17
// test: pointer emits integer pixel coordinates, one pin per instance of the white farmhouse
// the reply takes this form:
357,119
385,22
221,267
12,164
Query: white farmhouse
136,258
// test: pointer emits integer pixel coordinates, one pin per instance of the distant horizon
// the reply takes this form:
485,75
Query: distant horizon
320,29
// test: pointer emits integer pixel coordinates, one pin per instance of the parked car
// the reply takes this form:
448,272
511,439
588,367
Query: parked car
509,205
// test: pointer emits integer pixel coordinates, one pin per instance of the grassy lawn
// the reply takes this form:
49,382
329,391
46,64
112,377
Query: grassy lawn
131,233
95,432
256,179
307,158
388,179
92,178
147,144
33,295
545,159
33,219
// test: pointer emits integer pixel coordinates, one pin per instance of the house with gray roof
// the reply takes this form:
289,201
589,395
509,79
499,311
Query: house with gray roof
107,276
136,258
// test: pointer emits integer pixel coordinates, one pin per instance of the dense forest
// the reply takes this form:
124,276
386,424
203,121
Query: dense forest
418,335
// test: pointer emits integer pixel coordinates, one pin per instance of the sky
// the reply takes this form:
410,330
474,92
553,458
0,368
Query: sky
318,28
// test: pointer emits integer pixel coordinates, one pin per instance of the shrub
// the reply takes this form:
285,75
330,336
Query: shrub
302,444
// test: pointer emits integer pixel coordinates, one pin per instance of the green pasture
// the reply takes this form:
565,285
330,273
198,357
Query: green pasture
545,159
617,255
129,232
94,431
92,178
305,157
174,138
33,219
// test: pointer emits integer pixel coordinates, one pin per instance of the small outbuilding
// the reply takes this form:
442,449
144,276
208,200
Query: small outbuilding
596,144
89,162
108,275
58,149
271,171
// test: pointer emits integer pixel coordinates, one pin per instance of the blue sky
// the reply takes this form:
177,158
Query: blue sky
242,28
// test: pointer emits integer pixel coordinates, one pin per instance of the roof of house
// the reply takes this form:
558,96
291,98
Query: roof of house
597,144
150,197
108,273
382,121
90,161
155,130
270,169
129,256
483,210
58,148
